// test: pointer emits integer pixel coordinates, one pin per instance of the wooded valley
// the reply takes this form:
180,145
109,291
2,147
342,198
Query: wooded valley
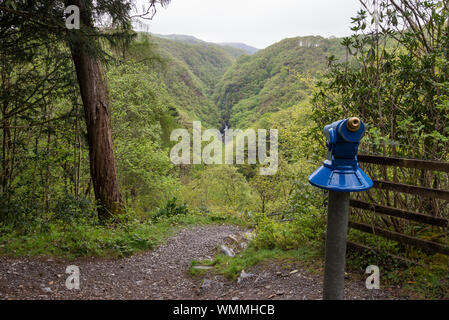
86,119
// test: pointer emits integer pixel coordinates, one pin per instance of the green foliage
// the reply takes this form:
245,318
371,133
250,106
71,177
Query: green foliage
190,72
396,78
86,237
171,209
45,165
231,267
141,113
431,282
289,190
220,188
272,79
304,230
398,82
206,61
427,279
70,209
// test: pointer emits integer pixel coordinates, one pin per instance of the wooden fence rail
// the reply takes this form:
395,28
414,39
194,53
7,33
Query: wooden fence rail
429,246
405,163
400,213
397,213
405,188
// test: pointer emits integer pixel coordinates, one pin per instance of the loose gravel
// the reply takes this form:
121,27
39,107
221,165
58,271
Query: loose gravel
163,274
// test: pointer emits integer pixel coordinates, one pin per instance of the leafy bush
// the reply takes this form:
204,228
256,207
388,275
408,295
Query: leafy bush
171,209
69,208
303,230
18,210
219,188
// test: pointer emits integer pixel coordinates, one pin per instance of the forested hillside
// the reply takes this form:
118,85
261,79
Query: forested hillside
191,70
221,85
234,49
273,79
207,61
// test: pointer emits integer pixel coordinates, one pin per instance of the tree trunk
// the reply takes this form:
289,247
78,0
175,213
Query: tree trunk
96,110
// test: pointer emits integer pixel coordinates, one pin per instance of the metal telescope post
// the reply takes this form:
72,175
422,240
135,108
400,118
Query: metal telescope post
341,175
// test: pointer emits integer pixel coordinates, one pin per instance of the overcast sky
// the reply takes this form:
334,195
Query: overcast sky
258,23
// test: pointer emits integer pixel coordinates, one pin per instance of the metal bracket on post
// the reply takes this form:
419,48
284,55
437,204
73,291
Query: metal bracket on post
340,174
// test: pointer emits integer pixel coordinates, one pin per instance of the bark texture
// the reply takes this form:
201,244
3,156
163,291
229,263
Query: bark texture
96,110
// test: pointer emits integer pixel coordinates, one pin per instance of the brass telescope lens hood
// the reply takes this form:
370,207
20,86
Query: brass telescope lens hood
353,124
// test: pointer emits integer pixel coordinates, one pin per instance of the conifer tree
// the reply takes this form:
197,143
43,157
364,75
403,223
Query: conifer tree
28,26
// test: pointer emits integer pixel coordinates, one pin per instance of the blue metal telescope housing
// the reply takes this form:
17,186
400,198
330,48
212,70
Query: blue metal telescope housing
341,171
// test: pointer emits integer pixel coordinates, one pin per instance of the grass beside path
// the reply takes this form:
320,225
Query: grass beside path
84,239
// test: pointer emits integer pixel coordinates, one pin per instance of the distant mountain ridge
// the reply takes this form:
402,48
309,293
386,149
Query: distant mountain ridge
179,37
244,48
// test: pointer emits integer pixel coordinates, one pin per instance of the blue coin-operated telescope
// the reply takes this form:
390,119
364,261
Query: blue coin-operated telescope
341,171
341,175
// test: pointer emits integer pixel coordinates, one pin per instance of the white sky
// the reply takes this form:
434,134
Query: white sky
258,23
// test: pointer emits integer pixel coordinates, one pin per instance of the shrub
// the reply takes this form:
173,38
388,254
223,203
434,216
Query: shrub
171,209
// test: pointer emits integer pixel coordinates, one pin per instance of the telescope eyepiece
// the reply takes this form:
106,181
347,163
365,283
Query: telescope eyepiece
353,124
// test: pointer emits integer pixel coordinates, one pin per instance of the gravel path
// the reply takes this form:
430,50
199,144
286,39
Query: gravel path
163,274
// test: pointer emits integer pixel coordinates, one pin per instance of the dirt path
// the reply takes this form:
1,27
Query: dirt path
163,274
